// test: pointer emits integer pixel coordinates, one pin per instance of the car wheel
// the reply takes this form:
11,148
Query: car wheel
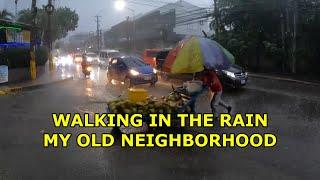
127,83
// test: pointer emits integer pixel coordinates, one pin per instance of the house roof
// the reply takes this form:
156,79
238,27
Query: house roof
15,24
180,7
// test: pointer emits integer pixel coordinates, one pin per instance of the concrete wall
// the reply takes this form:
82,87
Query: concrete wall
23,74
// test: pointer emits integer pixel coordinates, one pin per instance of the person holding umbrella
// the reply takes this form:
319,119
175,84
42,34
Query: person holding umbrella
211,80
194,55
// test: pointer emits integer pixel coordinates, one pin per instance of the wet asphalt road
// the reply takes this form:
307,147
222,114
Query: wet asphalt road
293,112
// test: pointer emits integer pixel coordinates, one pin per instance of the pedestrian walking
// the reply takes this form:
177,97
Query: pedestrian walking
211,80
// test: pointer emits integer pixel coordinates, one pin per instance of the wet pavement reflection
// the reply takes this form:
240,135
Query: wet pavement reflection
25,116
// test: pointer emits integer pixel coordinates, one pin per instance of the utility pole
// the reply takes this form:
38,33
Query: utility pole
288,35
16,10
283,35
33,67
294,36
50,9
216,17
101,39
98,32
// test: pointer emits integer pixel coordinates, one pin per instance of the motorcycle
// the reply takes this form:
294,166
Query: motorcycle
87,71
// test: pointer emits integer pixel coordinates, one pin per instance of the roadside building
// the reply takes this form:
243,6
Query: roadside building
15,52
160,28
82,40
14,34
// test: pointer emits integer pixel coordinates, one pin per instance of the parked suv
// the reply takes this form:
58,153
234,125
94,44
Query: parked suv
235,76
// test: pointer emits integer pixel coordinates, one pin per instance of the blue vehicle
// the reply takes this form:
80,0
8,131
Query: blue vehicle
131,71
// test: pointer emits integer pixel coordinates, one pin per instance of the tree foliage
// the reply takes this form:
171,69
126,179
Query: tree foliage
63,20
260,30
6,15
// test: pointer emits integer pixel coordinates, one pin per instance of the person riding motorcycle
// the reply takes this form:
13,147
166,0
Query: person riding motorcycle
85,65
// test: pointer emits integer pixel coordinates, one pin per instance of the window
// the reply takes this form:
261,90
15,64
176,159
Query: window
134,62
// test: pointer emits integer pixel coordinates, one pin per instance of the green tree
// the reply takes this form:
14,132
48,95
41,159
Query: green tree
4,14
284,32
63,20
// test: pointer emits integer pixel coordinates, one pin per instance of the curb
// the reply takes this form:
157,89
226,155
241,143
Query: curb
5,91
283,79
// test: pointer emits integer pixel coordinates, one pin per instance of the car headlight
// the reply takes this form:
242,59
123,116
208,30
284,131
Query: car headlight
230,74
246,74
89,59
134,72
154,71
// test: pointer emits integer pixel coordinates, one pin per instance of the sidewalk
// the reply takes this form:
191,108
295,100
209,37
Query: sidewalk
41,81
286,77
272,76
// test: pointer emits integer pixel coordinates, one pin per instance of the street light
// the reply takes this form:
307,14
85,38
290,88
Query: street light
120,5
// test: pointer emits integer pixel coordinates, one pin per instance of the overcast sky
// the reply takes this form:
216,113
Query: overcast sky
87,9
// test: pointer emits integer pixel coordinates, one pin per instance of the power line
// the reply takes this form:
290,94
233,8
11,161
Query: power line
144,4
192,22
193,18
192,11
157,1
193,14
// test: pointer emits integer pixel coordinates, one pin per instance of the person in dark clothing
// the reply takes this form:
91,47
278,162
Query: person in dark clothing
211,80
84,63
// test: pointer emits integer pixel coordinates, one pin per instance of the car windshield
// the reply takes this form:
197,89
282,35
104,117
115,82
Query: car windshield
114,54
162,55
92,55
134,62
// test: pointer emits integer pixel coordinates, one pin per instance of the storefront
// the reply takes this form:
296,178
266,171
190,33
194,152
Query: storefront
14,51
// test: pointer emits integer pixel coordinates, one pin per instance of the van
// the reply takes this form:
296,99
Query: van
106,55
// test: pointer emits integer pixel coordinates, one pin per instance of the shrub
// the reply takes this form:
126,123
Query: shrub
20,57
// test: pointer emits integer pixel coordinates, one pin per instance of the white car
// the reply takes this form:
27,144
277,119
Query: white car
106,56
92,58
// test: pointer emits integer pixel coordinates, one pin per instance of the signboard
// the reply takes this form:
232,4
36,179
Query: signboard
13,36
26,36
17,36
4,73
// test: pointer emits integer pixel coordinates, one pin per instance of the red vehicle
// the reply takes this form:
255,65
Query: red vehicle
149,56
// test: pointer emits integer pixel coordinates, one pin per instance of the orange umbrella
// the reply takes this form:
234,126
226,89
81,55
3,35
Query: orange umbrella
173,55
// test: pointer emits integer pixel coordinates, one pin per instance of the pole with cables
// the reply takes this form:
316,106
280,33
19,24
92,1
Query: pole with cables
16,10
33,67
98,32
50,9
